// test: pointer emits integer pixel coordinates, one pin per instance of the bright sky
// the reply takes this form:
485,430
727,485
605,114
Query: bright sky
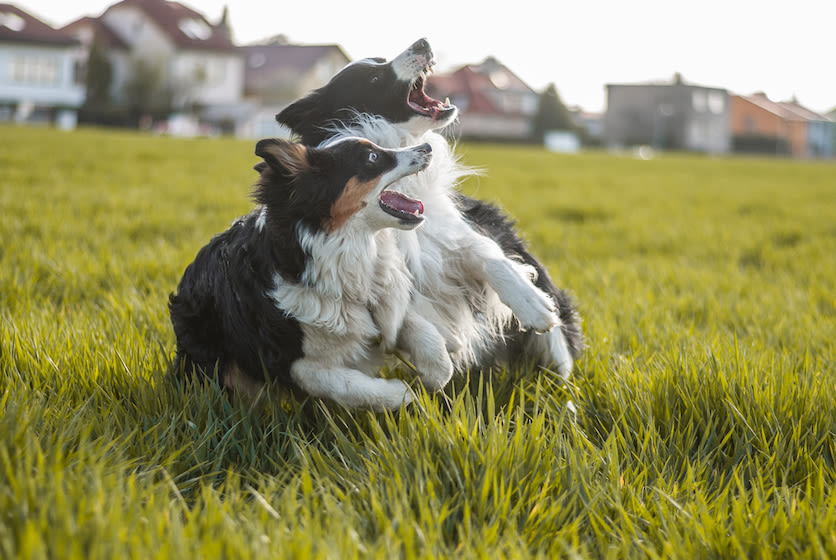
781,48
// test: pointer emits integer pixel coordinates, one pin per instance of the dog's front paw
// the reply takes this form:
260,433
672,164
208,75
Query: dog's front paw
395,394
537,311
436,374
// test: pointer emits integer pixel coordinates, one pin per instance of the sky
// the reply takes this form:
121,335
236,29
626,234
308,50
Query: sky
784,49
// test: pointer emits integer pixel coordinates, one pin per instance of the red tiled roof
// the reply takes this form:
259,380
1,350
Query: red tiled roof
170,16
17,26
760,100
788,110
475,82
800,112
102,32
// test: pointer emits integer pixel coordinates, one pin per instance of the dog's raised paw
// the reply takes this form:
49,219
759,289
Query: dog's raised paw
538,313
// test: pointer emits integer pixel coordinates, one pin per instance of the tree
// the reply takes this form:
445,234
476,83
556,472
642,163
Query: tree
551,114
146,92
99,77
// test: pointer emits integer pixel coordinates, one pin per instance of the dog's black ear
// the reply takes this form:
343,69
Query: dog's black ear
302,113
283,156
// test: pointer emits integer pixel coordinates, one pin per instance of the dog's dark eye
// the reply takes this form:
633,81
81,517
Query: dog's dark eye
372,157
374,79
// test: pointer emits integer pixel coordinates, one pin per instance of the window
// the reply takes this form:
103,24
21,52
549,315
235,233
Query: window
698,100
195,29
12,21
716,102
209,71
37,70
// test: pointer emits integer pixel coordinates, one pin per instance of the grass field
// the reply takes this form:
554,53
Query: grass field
706,419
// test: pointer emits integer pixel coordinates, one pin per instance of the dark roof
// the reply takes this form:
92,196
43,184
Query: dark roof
266,62
17,26
185,27
295,57
103,34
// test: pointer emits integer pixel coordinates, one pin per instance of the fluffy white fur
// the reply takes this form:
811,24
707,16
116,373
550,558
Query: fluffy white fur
355,291
452,265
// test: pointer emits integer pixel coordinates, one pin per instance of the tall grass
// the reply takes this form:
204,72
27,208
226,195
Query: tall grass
706,422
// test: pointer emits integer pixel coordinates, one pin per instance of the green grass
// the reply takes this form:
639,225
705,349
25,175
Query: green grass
706,419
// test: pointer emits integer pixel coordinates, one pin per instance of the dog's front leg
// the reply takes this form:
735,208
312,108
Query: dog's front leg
428,351
349,387
513,282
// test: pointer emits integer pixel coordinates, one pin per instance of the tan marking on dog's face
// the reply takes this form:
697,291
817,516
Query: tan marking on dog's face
351,201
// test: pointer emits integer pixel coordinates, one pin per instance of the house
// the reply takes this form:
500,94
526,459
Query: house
758,125
495,104
590,124
672,116
277,73
101,92
38,80
831,116
815,139
761,125
167,57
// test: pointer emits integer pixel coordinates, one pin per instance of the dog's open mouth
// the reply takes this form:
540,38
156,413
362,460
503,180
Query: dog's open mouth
402,207
423,104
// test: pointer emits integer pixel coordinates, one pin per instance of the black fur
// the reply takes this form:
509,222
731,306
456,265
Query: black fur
221,314
367,86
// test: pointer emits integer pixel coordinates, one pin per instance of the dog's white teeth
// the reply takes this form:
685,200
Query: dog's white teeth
446,100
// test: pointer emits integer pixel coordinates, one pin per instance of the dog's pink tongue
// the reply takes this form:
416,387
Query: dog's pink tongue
401,202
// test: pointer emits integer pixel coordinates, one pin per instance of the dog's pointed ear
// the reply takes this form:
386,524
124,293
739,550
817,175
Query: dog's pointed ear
300,113
283,156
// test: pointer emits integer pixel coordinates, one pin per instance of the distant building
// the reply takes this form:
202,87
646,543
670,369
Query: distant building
191,61
277,73
760,125
670,116
831,116
815,137
38,74
590,124
494,103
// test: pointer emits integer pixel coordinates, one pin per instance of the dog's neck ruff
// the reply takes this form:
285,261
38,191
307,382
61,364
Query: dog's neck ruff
342,279
445,286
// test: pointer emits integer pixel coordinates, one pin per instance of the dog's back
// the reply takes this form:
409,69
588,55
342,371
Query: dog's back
221,316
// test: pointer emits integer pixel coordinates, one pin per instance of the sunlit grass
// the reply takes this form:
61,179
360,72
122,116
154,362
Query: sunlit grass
706,422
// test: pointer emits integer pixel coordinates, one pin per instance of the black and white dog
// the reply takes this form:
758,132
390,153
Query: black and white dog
310,288
475,280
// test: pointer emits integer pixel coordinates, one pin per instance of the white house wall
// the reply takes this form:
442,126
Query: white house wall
58,90
208,78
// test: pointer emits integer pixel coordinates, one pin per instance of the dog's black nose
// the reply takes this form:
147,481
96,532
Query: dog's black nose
421,46
424,149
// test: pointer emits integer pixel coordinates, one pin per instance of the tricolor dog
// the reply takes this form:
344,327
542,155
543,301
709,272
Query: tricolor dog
310,288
